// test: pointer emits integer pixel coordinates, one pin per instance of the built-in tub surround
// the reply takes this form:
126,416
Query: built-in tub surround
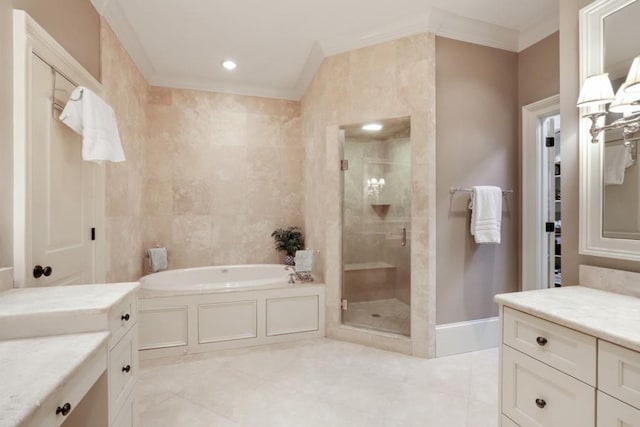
223,278
394,79
194,310
222,172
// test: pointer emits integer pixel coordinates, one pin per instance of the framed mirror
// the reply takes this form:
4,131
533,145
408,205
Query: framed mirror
609,208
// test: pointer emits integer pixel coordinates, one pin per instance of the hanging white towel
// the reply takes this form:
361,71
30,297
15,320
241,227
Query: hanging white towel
486,214
304,260
617,158
90,116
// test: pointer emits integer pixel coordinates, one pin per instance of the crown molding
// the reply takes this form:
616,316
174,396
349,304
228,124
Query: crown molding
437,21
450,25
543,29
115,16
224,87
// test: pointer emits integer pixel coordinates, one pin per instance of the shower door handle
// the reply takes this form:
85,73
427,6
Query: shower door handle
404,237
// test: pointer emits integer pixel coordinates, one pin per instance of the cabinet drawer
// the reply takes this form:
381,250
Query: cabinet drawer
619,372
123,368
122,317
569,351
613,413
534,394
72,391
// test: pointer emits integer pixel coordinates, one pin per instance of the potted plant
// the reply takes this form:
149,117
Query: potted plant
288,240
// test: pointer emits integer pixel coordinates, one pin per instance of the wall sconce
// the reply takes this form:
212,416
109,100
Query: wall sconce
375,186
597,91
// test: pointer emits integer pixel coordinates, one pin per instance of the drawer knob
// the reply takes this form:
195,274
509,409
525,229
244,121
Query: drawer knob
64,409
540,403
125,317
542,341
126,368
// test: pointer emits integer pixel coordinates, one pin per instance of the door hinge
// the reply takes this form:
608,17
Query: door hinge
344,165
549,227
344,304
93,233
550,141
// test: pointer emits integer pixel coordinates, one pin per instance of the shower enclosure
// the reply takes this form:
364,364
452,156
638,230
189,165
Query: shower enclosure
376,213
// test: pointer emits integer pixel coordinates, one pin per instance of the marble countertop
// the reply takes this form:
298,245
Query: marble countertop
606,315
63,299
33,369
38,312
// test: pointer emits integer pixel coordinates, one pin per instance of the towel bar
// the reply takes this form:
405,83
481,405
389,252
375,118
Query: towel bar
469,190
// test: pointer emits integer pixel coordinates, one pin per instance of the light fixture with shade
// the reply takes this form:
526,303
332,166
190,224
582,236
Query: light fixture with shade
633,78
597,91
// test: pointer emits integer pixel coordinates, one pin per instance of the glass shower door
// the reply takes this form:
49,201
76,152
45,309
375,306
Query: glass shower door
376,244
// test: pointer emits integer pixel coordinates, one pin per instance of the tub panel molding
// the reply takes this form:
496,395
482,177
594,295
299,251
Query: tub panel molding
292,315
163,327
227,321
174,323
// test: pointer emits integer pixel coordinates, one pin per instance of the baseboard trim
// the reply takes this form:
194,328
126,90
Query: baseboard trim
463,337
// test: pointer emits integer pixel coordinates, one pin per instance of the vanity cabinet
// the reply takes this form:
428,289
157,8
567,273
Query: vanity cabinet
96,379
123,362
552,375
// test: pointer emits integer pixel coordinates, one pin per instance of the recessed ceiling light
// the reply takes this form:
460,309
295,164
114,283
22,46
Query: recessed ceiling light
229,64
372,127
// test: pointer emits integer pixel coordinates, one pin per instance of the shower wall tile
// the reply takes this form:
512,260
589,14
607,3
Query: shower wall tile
125,90
225,170
392,79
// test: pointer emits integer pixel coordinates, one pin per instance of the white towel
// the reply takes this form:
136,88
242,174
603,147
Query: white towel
486,214
304,260
617,158
88,114
157,259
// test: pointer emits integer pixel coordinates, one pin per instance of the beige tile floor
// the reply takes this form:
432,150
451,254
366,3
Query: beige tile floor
392,315
319,382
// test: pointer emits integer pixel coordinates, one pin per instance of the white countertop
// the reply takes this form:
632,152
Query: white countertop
33,312
61,299
33,369
606,315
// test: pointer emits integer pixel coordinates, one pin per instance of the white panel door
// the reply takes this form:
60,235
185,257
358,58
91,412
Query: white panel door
60,213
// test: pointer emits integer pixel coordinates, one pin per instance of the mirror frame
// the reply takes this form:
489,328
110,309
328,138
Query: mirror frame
591,240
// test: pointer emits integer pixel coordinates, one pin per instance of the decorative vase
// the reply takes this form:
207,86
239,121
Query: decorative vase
289,260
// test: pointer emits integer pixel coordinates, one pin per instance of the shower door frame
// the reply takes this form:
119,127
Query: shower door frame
423,230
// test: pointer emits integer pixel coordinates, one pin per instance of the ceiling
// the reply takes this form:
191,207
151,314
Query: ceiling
279,44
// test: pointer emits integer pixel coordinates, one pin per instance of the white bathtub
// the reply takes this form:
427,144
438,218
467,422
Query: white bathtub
210,308
220,278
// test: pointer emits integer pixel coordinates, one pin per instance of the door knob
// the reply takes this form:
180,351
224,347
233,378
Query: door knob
64,409
39,271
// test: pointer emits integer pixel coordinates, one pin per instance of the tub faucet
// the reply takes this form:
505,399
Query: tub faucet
302,276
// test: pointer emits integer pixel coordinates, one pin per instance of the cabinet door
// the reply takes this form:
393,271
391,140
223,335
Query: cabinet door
619,372
613,413
535,394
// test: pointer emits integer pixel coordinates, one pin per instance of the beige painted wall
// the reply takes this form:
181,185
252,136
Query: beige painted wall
392,79
538,78
81,39
126,91
569,88
539,70
223,171
477,144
